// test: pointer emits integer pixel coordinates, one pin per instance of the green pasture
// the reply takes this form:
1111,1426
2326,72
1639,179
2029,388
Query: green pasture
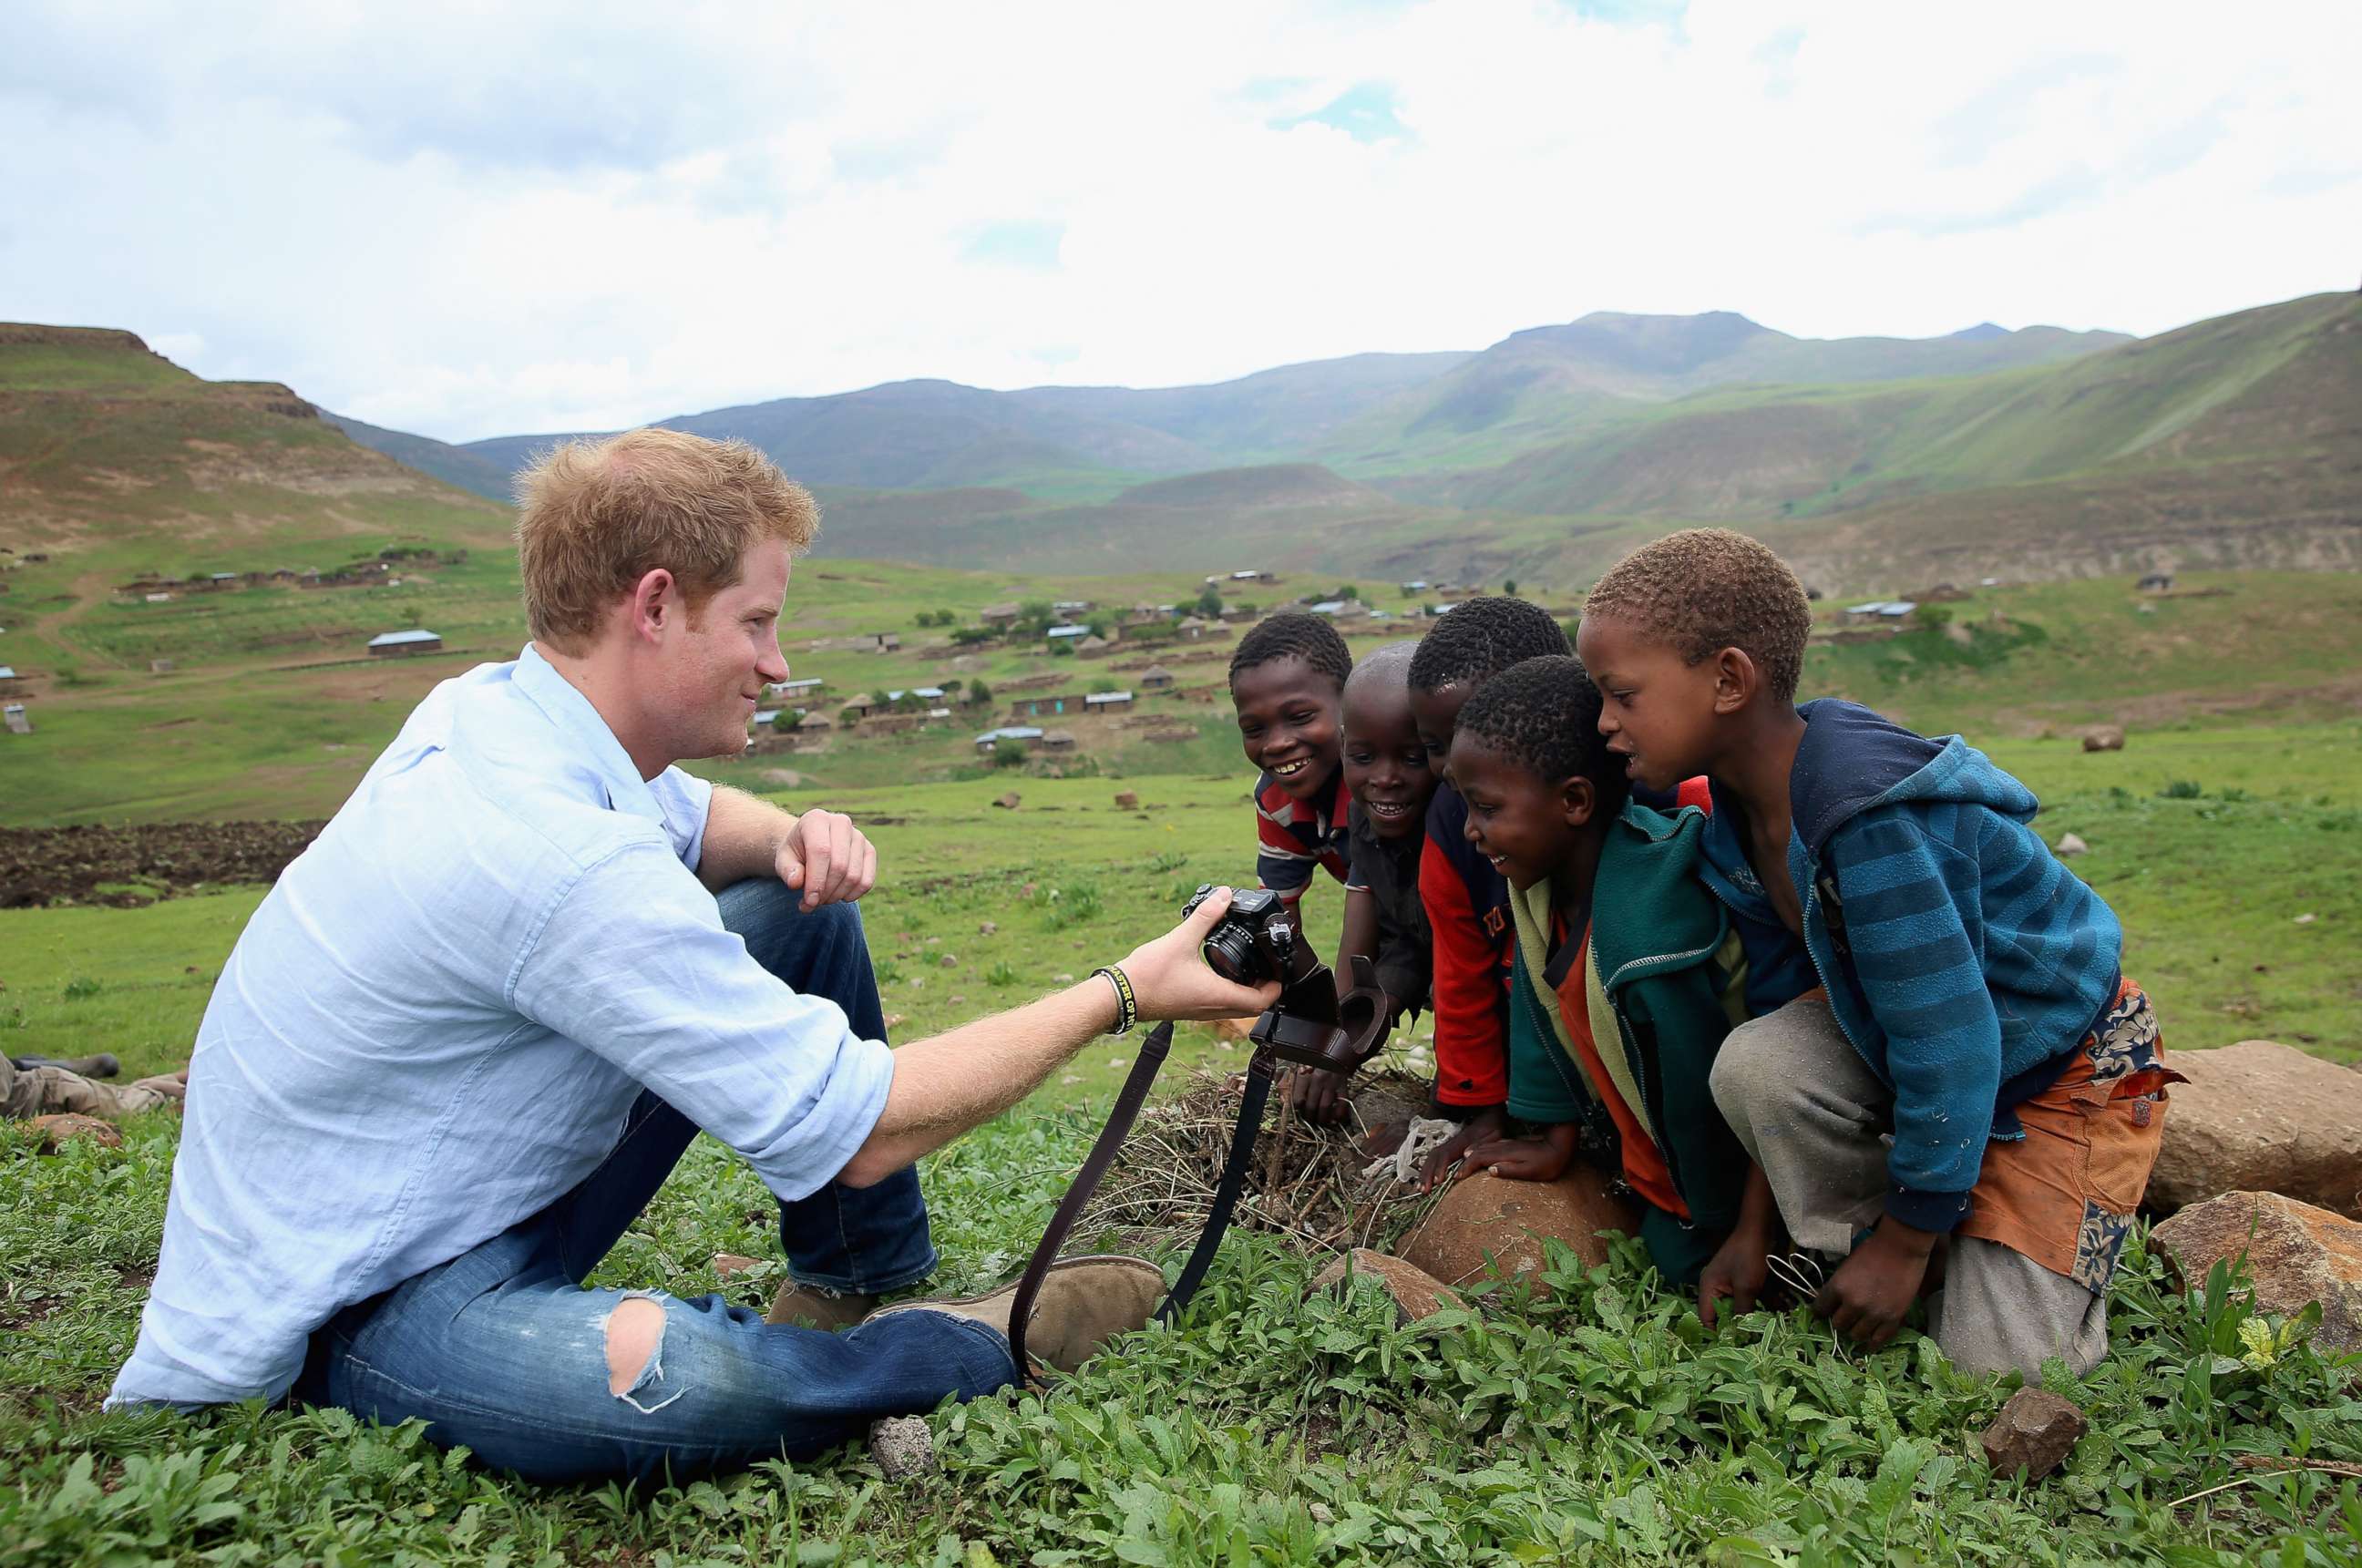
1595,1422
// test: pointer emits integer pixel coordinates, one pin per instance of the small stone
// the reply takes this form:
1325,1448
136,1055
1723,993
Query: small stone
1127,801
2105,737
986,929
957,997
1416,1295
1008,803
903,1448
2070,846
1118,1061
64,1126
894,1020
1062,979
948,961
2306,919
1069,1080
2034,1434
729,1263
934,941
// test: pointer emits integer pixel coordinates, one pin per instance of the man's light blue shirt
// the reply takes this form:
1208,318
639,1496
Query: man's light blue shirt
434,1025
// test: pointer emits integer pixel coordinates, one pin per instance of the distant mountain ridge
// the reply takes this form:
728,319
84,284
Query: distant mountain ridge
1352,412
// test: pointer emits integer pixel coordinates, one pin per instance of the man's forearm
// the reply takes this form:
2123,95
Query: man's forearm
741,838
946,1085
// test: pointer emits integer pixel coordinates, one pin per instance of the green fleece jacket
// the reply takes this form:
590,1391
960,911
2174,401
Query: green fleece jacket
1663,977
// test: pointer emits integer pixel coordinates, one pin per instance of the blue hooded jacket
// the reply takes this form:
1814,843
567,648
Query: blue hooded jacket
1961,958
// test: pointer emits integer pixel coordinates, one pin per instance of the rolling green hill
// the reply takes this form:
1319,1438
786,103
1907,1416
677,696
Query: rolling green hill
2040,452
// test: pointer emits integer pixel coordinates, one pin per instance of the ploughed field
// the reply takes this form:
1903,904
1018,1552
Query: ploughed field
1595,1423
130,866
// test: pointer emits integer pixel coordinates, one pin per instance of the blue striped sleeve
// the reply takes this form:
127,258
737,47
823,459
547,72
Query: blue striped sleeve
1919,965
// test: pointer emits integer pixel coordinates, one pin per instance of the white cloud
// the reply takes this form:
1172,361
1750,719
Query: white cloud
468,221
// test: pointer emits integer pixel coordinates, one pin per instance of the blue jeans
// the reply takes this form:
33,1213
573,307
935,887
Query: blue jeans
502,1349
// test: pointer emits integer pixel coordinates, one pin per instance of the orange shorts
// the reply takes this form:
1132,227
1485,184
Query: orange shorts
2064,1194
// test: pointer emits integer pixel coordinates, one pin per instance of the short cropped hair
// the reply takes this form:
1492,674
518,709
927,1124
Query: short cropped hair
1543,715
1481,637
1387,667
1294,633
1704,590
594,517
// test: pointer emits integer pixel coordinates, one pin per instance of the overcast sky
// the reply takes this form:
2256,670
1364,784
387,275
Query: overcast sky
469,220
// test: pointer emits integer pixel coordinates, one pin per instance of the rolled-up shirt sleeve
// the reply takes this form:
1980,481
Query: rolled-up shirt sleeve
632,965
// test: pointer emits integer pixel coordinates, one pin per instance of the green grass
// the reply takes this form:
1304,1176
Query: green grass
1596,1423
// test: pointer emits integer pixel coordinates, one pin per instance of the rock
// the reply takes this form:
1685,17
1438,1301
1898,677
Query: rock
1417,1297
1127,801
2260,1116
894,1020
1491,1217
65,1126
2296,1253
2105,737
2034,1434
903,1448
949,961
2070,844
986,928
727,1264
1008,803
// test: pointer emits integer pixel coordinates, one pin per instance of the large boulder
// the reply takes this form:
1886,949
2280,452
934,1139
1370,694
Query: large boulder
1486,1217
2296,1253
1416,1295
2261,1117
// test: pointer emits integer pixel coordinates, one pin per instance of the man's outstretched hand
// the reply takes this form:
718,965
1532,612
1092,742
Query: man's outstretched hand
1170,980
826,859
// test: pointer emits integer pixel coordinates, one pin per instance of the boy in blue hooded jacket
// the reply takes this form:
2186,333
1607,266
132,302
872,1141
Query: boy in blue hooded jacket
1948,1087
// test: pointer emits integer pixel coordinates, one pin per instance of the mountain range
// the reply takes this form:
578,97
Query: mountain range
1871,463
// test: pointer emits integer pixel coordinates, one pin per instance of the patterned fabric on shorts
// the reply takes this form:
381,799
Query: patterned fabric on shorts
2064,1195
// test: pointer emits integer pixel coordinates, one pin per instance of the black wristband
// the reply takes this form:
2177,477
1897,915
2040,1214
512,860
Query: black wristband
1127,1007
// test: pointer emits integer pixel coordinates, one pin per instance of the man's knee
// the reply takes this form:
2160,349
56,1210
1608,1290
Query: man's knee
635,1343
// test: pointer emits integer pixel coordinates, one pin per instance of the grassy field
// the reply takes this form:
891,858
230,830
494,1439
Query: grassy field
1596,1423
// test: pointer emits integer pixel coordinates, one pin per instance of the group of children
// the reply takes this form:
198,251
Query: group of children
1805,982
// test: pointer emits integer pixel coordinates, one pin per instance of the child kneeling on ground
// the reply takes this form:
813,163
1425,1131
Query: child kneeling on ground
1622,966
1950,1088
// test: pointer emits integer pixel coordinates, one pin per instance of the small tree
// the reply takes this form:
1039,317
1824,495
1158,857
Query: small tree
1509,586
979,692
951,687
1107,683
1349,592
1008,752
1209,603
1062,648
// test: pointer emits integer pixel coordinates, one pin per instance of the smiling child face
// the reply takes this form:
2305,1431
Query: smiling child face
1385,762
1526,826
1288,722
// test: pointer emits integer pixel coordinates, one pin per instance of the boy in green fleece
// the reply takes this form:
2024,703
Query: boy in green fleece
1623,979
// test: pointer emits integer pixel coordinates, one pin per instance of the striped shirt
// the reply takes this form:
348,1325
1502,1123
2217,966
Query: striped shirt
1293,836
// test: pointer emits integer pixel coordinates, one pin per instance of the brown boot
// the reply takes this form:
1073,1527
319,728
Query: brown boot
1084,1303
818,1306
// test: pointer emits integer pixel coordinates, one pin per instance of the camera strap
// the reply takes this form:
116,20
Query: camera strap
1261,1070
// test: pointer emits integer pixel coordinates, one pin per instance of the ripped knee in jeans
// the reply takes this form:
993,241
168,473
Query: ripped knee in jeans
635,1336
